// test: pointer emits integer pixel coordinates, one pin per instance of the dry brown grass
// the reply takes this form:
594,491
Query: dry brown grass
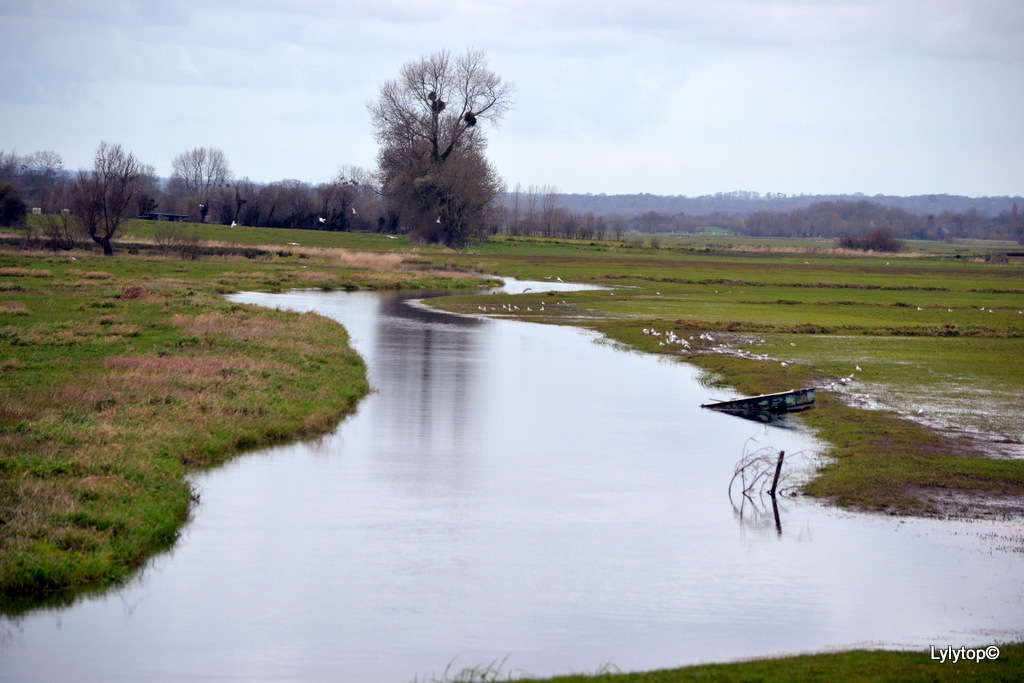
812,251
182,365
25,272
334,256
14,308
134,292
344,258
319,277
228,325
80,395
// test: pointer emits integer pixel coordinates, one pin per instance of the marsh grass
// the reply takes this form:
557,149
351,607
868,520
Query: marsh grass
119,374
116,381
473,674
854,666
939,336
278,239
495,671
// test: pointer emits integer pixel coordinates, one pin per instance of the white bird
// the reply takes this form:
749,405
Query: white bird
353,209
784,364
392,237
233,224
558,278
438,219
322,219
858,369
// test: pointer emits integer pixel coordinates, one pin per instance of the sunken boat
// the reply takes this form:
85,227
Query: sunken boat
772,404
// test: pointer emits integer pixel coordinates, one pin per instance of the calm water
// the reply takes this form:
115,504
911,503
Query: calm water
518,490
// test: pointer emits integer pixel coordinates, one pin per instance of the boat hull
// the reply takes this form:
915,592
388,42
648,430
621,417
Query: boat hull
781,402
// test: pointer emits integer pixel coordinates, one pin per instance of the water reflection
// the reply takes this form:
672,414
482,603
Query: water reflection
432,376
514,489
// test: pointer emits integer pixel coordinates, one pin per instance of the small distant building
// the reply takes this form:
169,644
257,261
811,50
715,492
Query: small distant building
154,216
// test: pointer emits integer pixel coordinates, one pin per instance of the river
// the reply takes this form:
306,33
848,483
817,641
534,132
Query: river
523,494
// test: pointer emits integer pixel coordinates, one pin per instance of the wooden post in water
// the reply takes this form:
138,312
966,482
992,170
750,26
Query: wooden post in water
778,471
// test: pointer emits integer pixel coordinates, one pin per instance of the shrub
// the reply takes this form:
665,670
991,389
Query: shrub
12,207
879,239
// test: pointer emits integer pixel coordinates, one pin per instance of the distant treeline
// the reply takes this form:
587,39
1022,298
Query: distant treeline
204,189
740,204
837,218
547,213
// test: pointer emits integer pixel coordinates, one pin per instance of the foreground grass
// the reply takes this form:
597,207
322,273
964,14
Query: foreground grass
857,665
119,375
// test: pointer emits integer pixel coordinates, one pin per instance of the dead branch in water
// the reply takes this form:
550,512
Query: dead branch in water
758,473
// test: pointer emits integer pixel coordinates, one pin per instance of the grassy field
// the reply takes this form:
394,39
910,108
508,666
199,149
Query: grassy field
938,336
117,375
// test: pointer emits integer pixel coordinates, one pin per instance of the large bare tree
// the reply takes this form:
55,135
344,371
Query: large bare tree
101,197
199,174
433,171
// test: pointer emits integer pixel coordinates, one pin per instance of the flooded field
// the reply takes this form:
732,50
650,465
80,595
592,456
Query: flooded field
517,492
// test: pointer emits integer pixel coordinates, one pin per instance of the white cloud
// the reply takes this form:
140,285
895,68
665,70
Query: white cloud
654,95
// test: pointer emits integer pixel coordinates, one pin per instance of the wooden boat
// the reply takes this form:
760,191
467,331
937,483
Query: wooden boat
781,402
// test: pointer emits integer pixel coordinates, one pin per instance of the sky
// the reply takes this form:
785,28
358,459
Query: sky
670,97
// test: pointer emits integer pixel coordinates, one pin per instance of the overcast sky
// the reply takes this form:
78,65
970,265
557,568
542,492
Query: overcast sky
662,96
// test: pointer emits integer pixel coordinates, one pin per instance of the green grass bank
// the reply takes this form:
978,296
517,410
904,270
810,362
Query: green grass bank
118,375
854,666
937,335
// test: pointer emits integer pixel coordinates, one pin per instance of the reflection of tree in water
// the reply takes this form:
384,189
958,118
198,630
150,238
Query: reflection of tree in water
429,366
758,483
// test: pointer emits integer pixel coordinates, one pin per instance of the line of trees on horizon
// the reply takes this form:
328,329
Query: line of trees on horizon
203,188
